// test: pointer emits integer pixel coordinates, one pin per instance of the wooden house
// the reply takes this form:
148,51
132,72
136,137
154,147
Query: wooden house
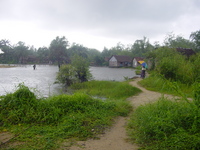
120,61
136,61
186,51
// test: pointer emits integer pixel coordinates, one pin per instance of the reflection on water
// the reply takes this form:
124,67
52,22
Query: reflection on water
42,79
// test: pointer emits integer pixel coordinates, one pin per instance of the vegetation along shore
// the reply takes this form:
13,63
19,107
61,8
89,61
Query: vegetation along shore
93,107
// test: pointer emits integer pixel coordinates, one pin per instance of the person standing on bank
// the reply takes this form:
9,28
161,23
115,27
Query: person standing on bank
143,72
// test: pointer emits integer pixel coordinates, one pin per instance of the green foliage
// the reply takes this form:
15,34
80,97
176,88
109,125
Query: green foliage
67,75
166,124
19,106
77,71
79,50
140,47
81,66
157,82
173,41
138,70
45,123
174,66
195,36
195,61
196,93
58,50
108,89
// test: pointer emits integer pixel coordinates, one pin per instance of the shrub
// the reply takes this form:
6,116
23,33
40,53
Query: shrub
67,75
175,66
19,106
166,124
158,82
44,123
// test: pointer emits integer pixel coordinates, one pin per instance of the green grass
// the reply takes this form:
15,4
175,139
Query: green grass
108,89
156,82
138,70
168,124
46,123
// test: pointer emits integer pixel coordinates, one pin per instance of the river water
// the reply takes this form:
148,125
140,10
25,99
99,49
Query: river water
41,80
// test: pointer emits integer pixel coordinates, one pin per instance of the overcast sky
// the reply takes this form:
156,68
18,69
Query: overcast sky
96,23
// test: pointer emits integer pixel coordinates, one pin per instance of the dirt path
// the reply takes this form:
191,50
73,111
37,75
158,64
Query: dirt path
116,137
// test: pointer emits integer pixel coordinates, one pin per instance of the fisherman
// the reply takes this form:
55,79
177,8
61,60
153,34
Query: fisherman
34,66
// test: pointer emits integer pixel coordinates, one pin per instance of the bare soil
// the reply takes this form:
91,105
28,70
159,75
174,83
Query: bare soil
116,137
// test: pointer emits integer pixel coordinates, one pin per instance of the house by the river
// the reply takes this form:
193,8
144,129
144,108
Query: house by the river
120,61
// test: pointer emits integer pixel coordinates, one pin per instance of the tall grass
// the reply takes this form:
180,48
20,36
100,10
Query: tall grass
175,66
157,82
168,124
108,89
42,123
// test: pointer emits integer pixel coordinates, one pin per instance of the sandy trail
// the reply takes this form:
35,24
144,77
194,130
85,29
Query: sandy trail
116,138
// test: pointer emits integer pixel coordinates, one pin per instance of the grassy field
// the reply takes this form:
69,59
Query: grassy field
47,123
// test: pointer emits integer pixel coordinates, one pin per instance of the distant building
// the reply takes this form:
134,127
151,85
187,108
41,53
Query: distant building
136,61
186,51
120,61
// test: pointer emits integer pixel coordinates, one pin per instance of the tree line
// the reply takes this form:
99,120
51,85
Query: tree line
59,50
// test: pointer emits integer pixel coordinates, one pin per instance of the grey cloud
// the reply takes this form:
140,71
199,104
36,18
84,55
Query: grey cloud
110,18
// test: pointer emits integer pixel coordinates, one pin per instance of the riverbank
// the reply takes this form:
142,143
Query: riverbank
46,124
6,66
116,137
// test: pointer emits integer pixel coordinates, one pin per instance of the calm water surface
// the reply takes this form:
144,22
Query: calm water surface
41,80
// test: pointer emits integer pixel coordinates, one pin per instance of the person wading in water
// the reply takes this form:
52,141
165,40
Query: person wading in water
34,66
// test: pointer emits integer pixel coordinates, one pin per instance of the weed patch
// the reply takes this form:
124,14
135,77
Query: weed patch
45,123
166,124
157,82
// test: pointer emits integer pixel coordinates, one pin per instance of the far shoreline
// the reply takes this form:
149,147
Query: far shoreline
6,66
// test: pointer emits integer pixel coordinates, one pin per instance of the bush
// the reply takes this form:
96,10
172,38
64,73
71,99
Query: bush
158,82
166,124
19,106
44,123
77,71
67,75
175,66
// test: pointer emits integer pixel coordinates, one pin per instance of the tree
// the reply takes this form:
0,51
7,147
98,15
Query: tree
77,71
82,68
66,75
173,41
21,52
7,55
43,54
95,57
58,50
141,47
4,43
77,49
195,36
